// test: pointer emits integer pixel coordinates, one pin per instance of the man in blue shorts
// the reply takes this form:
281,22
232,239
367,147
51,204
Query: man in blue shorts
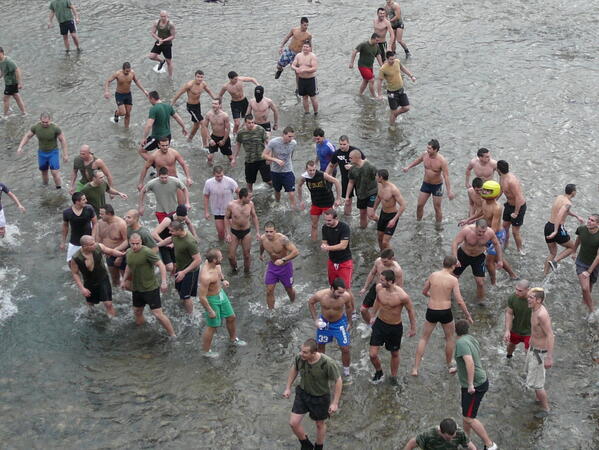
335,320
279,152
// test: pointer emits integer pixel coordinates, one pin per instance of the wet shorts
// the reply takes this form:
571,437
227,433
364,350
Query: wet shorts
150,298
71,250
195,111
48,159
222,307
219,217
266,126
152,142
384,220
509,209
167,254
384,333
477,264
123,99
582,267
501,237
516,338
110,261
344,183
317,406
439,315
11,89
252,169
471,402
561,237
342,270
367,202
165,49
188,287
307,86
100,293
370,297
397,24
239,108
337,330
535,368
383,50
67,27
397,99
318,210
2,219
283,273
287,57
366,72
240,234
282,180
435,189
225,149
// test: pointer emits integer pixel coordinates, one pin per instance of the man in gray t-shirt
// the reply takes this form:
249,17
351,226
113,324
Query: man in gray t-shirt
169,192
279,152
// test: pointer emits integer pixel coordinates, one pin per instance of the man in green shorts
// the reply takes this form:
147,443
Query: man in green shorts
64,11
215,301
12,82
447,436
48,155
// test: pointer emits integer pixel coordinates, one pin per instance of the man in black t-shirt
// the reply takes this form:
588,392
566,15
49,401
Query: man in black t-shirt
335,240
81,218
341,159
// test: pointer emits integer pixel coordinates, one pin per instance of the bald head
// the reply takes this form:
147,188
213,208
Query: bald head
84,150
86,240
523,284
355,157
134,213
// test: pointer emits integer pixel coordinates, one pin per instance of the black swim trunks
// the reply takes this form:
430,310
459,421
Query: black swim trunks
110,261
477,264
100,293
370,297
561,237
384,220
166,49
439,315
123,99
266,126
240,234
397,24
384,333
150,298
11,89
317,406
152,142
225,149
397,99
167,254
509,209
383,50
195,111
471,402
368,202
67,27
435,189
307,86
239,108
252,169
188,287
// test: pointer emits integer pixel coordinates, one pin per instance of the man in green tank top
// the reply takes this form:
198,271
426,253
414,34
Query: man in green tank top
163,31
85,164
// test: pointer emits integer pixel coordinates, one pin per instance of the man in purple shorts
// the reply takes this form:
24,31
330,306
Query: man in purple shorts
280,267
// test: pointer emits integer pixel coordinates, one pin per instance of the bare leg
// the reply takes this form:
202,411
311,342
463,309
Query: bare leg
231,327
277,196
220,228
155,57
314,227
65,40
314,101
170,66
290,293
110,309
295,422
306,104
422,199
427,330
585,285
542,398
75,40
188,305
510,349
56,177
204,133
480,289
270,295
437,205
374,358
164,321
246,245
394,363
371,87
491,268
517,237
233,252
448,329
321,431
45,178
347,207
115,275
20,103
345,356
138,313
207,337
194,130
379,237
363,218
365,312
506,226
321,348
479,429
236,125
363,85
292,200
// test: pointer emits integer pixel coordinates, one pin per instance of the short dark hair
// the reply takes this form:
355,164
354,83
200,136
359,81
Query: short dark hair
389,54
338,283
243,192
344,138
76,196
310,163
163,139
387,253
212,254
249,117
304,20
482,151
477,183
163,171
311,344
288,129
380,9
318,132
461,327
503,167
449,261
126,65
270,224
217,169
570,188
181,211
154,95
108,209
383,173
199,72
331,212
448,426
389,275
232,74
176,225
374,36
434,144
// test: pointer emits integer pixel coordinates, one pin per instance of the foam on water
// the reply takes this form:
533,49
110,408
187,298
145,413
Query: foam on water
9,278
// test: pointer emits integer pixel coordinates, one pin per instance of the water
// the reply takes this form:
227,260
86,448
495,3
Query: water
518,78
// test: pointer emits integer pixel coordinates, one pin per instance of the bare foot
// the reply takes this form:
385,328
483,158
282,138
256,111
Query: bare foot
414,372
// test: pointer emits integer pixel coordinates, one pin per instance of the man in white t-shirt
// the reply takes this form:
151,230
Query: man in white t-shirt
218,192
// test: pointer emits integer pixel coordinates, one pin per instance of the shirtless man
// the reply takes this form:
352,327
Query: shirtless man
239,214
122,95
385,262
483,165
475,201
439,288
393,12
260,106
280,268
515,206
216,302
163,30
194,90
218,120
305,65
555,231
540,353
111,232
389,196
85,164
387,327
298,35
468,247
335,320
382,26
4,189
239,102
165,157
436,171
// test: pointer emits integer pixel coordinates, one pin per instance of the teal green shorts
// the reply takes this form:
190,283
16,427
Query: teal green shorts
222,307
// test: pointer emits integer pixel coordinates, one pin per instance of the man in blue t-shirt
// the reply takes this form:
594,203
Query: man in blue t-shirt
324,150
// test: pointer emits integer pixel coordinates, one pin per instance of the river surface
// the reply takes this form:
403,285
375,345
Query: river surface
517,77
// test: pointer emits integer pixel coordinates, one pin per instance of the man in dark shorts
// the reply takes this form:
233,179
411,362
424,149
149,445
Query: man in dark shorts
239,102
517,319
446,436
305,65
144,286
65,11
587,261
163,30
313,395
88,262
217,121
12,82
387,327
391,72
515,205
81,219
335,241
253,140
341,159
368,50
389,197
159,122
473,381
439,288
362,176
122,95
279,152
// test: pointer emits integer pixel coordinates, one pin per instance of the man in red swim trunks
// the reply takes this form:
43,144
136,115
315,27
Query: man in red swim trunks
368,50
517,318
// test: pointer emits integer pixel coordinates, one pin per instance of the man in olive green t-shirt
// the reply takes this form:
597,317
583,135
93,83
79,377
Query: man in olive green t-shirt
517,318
48,155
95,191
362,176
473,381
12,82
368,50
144,286
64,11
587,261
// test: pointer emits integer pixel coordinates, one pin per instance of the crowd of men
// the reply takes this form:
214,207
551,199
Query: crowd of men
105,251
